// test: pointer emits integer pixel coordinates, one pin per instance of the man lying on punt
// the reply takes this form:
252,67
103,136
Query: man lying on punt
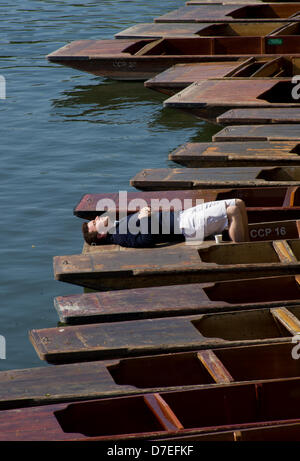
148,228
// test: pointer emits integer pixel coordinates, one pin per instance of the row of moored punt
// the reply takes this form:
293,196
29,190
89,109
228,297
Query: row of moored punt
185,342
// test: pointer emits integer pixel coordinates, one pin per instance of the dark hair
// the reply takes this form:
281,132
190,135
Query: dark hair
92,238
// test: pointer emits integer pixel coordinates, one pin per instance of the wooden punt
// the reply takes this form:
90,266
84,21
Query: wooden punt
178,264
166,335
218,154
178,77
214,178
158,30
259,116
189,299
233,12
208,99
143,59
263,204
271,132
158,415
131,376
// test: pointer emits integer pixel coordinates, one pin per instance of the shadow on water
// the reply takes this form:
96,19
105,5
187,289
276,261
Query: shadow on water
107,94
110,95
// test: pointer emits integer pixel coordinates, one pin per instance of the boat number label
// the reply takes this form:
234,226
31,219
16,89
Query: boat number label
275,41
129,65
265,232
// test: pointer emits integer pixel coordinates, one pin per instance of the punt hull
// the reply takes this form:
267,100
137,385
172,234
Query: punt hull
232,13
263,204
236,154
149,337
214,178
143,59
178,300
158,373
158,415
209,99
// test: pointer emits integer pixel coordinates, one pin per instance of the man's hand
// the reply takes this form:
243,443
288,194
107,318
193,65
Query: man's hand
144,212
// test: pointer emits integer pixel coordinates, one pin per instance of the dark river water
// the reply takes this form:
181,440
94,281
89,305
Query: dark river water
63,134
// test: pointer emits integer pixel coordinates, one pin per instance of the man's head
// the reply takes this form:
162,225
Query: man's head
95,231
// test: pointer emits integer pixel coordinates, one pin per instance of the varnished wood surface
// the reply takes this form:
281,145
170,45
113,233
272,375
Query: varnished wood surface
260,116
129,376
158,415
280,132
236,154
160,335
226,12
165,301
156,30
194,178
139,268
209,99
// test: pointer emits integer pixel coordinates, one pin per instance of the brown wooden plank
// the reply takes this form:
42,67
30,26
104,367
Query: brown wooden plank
280,132
227,13
214,366
236,154
182,75
156,336
163,412
223,92
196,178
259,116
45,385
287,319
284,251
156,30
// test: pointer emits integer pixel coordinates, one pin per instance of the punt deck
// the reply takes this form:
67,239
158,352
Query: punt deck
159,30
166,335
146,374
263,204
178,300
158,415
260,116
237,154
271,132
213,178
233,12
208,99
142,59
178,264
180,76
